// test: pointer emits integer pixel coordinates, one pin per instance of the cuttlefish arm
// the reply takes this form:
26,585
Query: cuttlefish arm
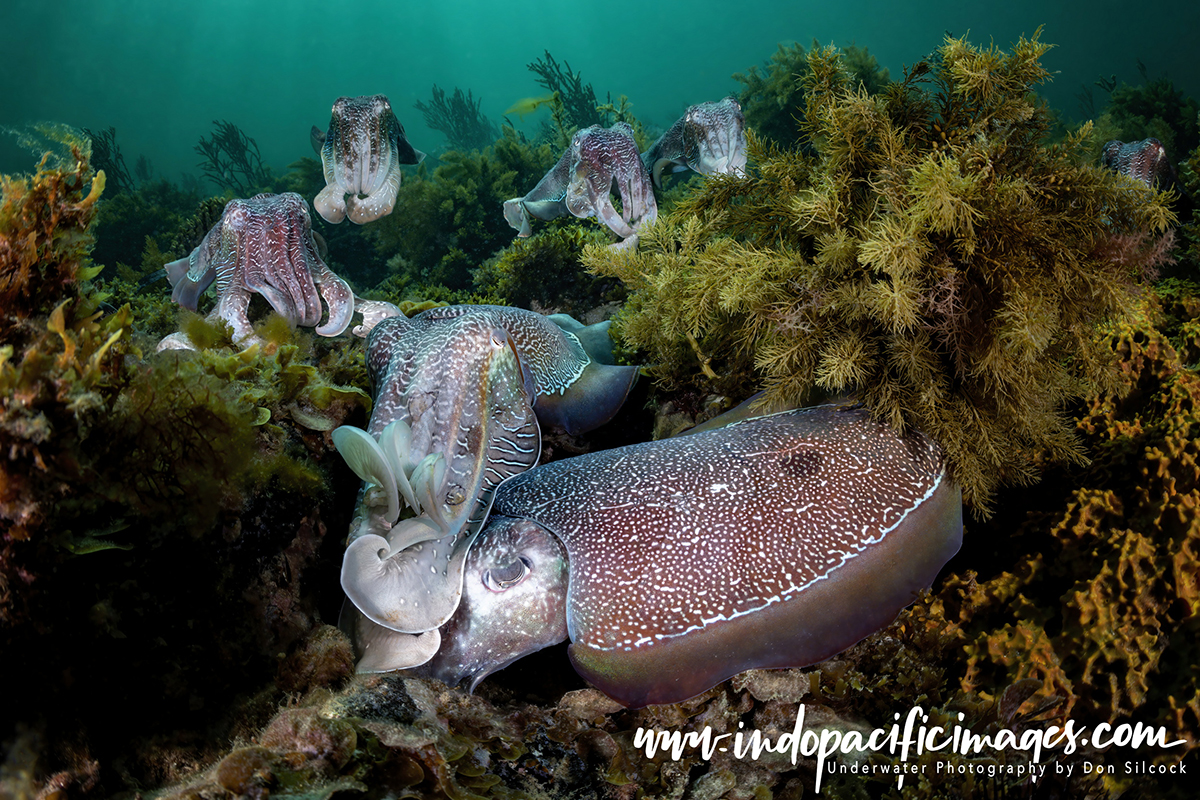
776,541
382,649
455,405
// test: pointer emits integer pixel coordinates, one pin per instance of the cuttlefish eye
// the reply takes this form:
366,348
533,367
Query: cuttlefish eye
504,577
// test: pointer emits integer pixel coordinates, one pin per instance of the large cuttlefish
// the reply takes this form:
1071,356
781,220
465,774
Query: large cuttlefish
459,395
776,541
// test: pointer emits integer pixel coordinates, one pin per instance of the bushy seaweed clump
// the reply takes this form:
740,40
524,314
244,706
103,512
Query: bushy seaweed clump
146,501
44,241
231,160
1189,183
773,96
126,220
447,223
544,272
937,258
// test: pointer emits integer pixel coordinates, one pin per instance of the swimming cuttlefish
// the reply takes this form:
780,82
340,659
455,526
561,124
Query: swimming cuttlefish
460,395
580,183
361,154
775,541
709,138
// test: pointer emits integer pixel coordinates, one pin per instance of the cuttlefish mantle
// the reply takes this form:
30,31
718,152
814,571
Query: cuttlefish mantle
776,541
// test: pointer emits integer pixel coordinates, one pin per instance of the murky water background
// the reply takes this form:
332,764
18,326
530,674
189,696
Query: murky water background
160,72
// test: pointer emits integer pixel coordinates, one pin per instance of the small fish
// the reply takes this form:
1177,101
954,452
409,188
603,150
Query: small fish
528,105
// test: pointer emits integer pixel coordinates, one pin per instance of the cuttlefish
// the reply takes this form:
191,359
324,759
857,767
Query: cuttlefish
582,179
776,541
361,153
1145,161
460,393
264,245
710,138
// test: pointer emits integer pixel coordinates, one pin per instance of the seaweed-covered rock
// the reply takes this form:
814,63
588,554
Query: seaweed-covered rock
544,272
447,223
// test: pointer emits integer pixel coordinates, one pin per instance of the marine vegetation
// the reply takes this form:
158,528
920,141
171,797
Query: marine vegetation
124,220
44,238
1155,108
575,104
465,126
129,481
447,223
937,258
230,159
543,272
1121,561
107,158
773,97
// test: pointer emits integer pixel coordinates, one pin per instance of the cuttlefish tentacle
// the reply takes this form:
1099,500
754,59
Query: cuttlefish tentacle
774,541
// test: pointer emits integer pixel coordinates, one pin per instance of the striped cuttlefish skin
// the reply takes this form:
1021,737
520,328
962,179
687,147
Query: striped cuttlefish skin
263,245
461,394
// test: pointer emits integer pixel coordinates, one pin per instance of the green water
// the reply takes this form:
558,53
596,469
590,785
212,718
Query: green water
161,72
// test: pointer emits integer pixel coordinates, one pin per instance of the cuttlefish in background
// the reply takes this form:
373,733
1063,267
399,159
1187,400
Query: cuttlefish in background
710,138
361,153
1145,161
459,395
582,179
264,245
775,541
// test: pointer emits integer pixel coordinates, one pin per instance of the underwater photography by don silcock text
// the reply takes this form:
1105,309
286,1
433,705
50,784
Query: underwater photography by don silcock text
690,402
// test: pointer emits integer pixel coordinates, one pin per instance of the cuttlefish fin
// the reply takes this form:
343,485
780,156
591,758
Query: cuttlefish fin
185,291
407,154
317,137
592,400
596,340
